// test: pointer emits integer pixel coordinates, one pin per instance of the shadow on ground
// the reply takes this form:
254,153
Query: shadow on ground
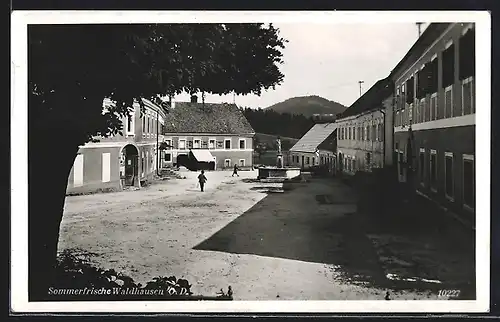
320,222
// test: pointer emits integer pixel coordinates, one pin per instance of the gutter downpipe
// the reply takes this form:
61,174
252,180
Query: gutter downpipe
383,140
157,150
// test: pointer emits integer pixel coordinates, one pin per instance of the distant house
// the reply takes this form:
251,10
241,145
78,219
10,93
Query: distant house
206,135
318,146
121,160
360,144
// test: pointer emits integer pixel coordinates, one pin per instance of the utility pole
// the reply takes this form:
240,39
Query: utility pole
360,82
419,26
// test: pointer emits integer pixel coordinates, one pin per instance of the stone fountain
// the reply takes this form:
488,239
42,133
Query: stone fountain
278,172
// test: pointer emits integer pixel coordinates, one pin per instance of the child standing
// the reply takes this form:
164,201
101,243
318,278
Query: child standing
202,179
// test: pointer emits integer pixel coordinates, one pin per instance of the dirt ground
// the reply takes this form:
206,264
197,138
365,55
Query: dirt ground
306,243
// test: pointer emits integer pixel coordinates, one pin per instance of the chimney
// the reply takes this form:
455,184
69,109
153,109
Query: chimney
194,99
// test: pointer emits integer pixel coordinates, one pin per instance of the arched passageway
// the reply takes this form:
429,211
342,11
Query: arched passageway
130,172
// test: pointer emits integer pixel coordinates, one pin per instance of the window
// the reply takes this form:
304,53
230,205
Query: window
410,90
422,81
168,157
227,162
227,144
448,175
147,126
433,170
368,159
467,96
190,144
242,162
354,133
421,166
432,75
448,102
467,54
307,160
204,144
367,133
359,132
350,130
168,144
242,144
220,145
182,144
143,124
469,197
353,164
433,107
313,161
196,144
211,144
448,66
374,132
129,123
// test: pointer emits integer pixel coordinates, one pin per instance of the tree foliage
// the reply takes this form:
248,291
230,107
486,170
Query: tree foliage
73,67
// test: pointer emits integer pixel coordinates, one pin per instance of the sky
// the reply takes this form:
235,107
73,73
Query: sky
329,60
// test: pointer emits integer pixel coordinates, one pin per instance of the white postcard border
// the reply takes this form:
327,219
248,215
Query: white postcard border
19,174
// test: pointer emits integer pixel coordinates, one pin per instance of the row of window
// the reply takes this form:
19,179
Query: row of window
149,126
148,161
427,109
420,91
307,160
227,162
211,144
350,164
429,175
362,133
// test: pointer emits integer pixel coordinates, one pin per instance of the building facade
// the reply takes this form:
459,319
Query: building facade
317,147
220,129
124,159
362,130
434,124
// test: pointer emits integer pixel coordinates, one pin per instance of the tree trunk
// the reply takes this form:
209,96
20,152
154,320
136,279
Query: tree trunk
52,150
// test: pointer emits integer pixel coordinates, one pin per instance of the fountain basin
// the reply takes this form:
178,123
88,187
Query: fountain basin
269,172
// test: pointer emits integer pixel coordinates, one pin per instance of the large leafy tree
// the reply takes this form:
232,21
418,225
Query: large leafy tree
72,68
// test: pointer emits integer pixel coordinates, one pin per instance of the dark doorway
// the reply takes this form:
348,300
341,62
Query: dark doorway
130,154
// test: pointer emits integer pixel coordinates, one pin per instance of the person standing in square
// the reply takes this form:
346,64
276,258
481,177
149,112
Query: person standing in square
202,179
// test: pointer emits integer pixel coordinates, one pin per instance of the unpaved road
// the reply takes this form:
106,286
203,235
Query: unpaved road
296,245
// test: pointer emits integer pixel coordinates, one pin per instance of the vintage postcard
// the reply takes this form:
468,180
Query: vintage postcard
250,161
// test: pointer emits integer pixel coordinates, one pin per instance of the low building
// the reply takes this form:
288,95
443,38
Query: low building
361,127
434,126
121,160
317,147
209,133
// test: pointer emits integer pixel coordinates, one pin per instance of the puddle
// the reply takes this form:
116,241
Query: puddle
395,277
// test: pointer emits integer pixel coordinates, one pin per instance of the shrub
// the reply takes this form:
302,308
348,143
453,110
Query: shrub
78,279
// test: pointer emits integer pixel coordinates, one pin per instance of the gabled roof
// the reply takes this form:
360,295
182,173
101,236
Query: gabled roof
330,143
223,118
314,137
372,99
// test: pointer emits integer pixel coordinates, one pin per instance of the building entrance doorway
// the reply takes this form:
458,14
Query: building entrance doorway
130,168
